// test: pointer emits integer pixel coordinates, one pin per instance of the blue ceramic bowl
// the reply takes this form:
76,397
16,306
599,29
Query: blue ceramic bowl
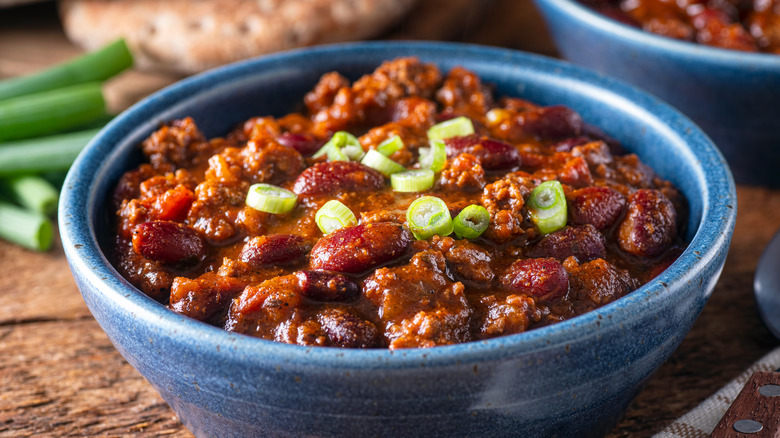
734,96
573,378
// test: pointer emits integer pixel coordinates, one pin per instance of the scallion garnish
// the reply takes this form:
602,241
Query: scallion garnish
434,157
50,111
390,146
384,165
334,215
457,127
337,154
471,222
343,146
412,180
270,198
428,216
547,207
24,227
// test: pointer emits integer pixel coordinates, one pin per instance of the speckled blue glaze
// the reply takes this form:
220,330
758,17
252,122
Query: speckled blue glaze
570,379
733,96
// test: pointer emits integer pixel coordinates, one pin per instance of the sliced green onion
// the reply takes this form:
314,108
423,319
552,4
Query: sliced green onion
337,154
384,165
457,127
46,154
50,111
343,146
412,180
24,227
323,150
547,207
355,153
334,215
32,192
471,222
428,216
435,157
91,67
270,199
390,146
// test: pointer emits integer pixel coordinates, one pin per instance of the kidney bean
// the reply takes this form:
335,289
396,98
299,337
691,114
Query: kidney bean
552,122
458,145
649,226
492,154
545,278
326,286
584,242
168,242
347,330
359,248
598,206
273,250
333,176
305,144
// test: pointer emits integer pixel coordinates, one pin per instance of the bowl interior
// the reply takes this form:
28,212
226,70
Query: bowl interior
702,52
275,85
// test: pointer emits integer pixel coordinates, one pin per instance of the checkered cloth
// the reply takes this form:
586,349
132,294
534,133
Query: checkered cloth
700,422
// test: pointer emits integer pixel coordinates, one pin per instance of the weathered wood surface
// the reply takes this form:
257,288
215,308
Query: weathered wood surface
60,376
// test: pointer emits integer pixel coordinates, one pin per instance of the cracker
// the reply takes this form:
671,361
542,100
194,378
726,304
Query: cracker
188,36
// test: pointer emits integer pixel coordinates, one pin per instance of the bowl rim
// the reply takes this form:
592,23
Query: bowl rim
86,259
701,52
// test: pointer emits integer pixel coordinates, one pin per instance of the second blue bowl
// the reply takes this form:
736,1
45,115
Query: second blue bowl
734,96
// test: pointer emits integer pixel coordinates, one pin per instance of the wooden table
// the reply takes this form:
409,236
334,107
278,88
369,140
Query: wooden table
60,375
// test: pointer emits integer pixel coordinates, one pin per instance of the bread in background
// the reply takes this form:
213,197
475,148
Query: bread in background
188,36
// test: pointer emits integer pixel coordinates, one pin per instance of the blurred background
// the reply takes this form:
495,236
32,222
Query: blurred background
33,35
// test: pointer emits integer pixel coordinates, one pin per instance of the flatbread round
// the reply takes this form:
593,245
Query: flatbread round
192,35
